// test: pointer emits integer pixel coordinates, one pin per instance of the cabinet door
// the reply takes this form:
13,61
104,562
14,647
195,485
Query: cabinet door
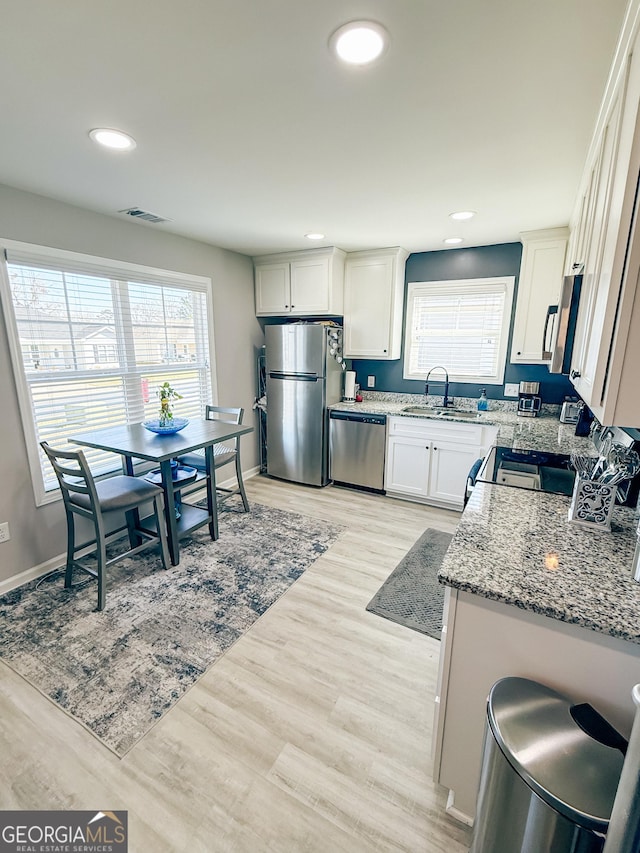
407,466
310,286
272,289
538,288
592,312
450,464
368,307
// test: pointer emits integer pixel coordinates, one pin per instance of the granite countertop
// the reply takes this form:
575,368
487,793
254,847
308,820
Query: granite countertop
518,547
544,432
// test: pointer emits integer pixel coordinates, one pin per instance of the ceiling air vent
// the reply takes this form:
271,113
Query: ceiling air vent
138,213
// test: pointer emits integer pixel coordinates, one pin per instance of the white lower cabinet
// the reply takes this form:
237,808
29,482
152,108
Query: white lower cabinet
429,460
450,464
475,653
407,466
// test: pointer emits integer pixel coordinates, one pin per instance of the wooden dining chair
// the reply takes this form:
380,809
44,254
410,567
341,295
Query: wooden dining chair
223,454
83,496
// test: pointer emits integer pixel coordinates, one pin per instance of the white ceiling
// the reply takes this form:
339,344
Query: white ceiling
250,134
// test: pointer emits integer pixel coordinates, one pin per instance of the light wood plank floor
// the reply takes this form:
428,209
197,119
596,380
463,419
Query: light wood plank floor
312,733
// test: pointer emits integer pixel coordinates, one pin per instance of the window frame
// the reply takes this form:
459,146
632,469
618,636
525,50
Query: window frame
417,288
118,270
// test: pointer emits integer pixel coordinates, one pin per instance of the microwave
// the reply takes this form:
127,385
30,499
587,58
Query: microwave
560,326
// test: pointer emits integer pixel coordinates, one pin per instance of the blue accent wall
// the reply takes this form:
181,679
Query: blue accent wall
451,264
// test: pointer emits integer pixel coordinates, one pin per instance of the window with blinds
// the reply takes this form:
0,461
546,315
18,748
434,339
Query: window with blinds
92,342
461,325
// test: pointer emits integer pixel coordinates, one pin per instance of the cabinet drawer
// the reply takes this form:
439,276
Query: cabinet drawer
430,428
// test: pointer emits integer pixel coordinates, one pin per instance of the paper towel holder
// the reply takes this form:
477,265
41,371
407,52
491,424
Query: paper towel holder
349,395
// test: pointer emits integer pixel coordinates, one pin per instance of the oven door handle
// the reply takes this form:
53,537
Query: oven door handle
471,479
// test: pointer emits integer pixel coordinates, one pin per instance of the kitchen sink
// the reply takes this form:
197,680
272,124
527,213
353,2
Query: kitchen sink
456,413
439,412
422,410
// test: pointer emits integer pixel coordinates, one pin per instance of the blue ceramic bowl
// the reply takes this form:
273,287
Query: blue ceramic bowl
175,426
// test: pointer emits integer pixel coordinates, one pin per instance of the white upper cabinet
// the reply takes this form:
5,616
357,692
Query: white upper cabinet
373,303
309,283
606,238
273,288
541,271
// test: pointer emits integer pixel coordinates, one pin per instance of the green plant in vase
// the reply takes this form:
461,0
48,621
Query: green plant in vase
166,395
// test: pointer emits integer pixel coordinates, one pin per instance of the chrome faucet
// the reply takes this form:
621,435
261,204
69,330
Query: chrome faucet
446,401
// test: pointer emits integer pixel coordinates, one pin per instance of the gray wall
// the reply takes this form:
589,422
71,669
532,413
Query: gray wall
38,534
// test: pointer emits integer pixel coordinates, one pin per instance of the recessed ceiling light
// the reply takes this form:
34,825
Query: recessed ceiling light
114,139
314,235
463,214
452,241
359,42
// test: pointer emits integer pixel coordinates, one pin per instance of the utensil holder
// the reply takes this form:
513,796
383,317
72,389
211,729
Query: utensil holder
592,503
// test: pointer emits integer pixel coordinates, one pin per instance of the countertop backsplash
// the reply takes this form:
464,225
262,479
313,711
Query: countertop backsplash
544,432
458,402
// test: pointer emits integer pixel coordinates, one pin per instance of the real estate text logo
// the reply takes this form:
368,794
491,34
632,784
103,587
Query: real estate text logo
63,832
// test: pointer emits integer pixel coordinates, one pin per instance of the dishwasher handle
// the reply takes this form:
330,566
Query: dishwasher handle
358,417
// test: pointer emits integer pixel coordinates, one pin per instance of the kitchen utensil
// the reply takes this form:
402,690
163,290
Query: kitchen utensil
583,464
624,464
602,459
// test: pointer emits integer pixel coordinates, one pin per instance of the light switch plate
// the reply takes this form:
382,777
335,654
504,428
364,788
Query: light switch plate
371,381
511,389
4,532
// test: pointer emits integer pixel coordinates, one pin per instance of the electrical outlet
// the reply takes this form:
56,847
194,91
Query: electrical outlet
371,381
4,532
511,389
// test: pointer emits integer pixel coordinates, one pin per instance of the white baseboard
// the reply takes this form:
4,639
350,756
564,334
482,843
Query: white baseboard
456,813
56,562
32,574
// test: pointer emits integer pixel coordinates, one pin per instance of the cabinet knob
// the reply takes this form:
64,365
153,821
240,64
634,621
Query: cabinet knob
293,306
286,306
575,374
435,448
519,353
384,350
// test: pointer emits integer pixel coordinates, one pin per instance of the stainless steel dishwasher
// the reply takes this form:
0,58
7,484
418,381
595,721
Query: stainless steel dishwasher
356,449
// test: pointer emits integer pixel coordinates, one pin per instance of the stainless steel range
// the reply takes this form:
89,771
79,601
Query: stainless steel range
528,469
542,471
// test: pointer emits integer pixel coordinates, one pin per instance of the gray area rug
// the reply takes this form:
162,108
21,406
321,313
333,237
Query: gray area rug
117,672
412,595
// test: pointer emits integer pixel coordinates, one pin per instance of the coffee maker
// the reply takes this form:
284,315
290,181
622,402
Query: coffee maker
529,400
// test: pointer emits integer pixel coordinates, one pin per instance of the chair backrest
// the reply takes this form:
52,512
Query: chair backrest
219,413
228,416
74,477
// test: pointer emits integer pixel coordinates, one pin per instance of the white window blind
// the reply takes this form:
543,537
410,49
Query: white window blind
93,341
461,325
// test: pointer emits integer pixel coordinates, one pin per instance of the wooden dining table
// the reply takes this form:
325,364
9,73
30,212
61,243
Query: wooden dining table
134,441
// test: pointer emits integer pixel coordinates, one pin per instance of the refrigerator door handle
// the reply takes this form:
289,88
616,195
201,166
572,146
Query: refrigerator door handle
299,377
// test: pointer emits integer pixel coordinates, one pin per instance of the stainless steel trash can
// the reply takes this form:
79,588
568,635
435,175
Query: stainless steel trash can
546,785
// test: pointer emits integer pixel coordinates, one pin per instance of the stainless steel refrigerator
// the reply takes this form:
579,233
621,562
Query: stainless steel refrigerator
304,370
